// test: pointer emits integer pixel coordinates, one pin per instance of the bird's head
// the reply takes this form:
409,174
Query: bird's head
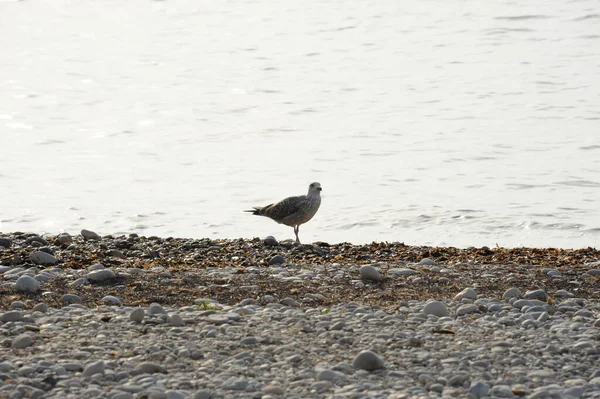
314,188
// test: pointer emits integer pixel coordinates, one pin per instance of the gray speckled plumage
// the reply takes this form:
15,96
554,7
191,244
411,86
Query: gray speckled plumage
293,211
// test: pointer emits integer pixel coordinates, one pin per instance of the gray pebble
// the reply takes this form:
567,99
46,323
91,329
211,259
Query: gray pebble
17,305
176,320
330,375
111,300
151,368
436,308
426,262
235,384
27,284
174,395
96,266
270,241
536,294
122,395
11,316
63,239
466,309
273,390
22,341
137,315
40,307
101,275
42,258
203,394
511,293
94,368
468,293
290,302
68,299
80,282
367,360
478,389
402,272
89,235
501,391
277,260
249,340
5,242
155,308
368,272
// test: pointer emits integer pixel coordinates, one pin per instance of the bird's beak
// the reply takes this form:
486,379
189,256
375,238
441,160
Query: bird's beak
320,189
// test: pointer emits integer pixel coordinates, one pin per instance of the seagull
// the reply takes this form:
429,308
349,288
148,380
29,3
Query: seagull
293,211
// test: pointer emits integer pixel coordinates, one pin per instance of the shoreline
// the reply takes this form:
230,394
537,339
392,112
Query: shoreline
173,271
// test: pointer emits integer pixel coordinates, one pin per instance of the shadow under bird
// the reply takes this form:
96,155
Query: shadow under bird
293,211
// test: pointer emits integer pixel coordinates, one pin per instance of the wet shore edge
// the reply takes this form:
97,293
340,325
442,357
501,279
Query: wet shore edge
135,270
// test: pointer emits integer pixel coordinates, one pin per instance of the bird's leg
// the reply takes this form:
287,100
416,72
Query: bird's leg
296,230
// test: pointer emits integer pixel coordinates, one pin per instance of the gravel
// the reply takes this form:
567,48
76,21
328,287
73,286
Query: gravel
214,319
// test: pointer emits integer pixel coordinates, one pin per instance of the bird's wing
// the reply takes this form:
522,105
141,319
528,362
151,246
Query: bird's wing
283,208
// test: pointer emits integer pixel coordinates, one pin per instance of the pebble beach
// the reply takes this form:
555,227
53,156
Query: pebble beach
89,316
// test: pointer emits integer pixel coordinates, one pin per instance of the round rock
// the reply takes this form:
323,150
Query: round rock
511,293
40,307
466,309
27,284
63,239
468,293
89,235
15,315
151,368
94,368
137,315
5,242
42,258
402,272
68,299
370,273
111,300
367,360
436,308
277,260
22,341
101,275
270,241
479,389
176,320
536,294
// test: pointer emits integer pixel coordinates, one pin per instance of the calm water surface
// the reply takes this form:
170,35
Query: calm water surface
442,123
